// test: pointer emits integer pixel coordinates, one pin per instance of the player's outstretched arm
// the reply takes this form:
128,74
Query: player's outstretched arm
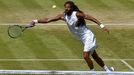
88,17
47,20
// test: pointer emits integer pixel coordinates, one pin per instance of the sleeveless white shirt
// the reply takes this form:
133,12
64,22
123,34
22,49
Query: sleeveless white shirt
77,31
82,32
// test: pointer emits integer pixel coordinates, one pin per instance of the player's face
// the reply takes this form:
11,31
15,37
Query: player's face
68,8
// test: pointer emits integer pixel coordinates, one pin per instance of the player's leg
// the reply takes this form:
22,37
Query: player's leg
100,62
88,60
97,59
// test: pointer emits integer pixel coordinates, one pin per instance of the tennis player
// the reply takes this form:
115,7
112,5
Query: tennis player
75,20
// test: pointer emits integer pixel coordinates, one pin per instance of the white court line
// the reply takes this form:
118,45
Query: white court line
60,24
61,59
59,72
129,66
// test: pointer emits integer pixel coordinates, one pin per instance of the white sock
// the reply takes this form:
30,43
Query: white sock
92,69
105,68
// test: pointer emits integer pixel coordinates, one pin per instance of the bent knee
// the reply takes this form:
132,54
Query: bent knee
85,55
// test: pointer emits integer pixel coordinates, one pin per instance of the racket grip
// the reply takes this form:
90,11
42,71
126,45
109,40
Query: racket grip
29,26
32,24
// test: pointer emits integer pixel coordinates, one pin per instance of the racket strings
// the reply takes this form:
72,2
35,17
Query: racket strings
14,31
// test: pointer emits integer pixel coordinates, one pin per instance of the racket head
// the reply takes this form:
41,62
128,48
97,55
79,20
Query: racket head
15,31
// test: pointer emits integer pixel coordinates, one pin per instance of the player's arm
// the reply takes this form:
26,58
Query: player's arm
88,17
47,20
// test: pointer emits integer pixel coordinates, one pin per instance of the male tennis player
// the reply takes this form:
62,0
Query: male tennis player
77,25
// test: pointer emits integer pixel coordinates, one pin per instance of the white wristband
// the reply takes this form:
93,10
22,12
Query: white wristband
102,26
36,21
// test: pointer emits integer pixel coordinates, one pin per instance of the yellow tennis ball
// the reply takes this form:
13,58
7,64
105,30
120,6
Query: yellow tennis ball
54,6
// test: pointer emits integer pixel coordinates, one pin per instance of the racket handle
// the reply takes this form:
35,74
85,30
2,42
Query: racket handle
32,24
29,26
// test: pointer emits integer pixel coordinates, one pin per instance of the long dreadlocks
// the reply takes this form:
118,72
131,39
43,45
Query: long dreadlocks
75,8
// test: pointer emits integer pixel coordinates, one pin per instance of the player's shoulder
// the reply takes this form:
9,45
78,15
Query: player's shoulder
80,14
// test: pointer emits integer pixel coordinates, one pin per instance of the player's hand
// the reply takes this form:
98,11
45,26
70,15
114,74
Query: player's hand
106,30
31,24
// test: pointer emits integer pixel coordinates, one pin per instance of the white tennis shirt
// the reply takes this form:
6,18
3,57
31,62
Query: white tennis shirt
82,32
77,31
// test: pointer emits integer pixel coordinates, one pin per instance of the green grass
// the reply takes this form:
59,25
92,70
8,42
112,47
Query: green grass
130,63
23,11
56,42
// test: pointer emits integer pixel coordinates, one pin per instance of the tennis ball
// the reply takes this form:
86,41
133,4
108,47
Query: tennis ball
54,6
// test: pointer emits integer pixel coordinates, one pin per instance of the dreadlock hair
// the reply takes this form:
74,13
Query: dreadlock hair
75,8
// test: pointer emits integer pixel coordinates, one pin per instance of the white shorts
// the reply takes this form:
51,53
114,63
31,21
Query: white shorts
89,42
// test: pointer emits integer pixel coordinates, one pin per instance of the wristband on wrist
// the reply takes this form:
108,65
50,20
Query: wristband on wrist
102,26
35,21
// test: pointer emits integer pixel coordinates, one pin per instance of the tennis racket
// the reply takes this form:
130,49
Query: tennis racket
16,31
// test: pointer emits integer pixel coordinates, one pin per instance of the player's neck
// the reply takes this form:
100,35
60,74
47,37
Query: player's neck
69,13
